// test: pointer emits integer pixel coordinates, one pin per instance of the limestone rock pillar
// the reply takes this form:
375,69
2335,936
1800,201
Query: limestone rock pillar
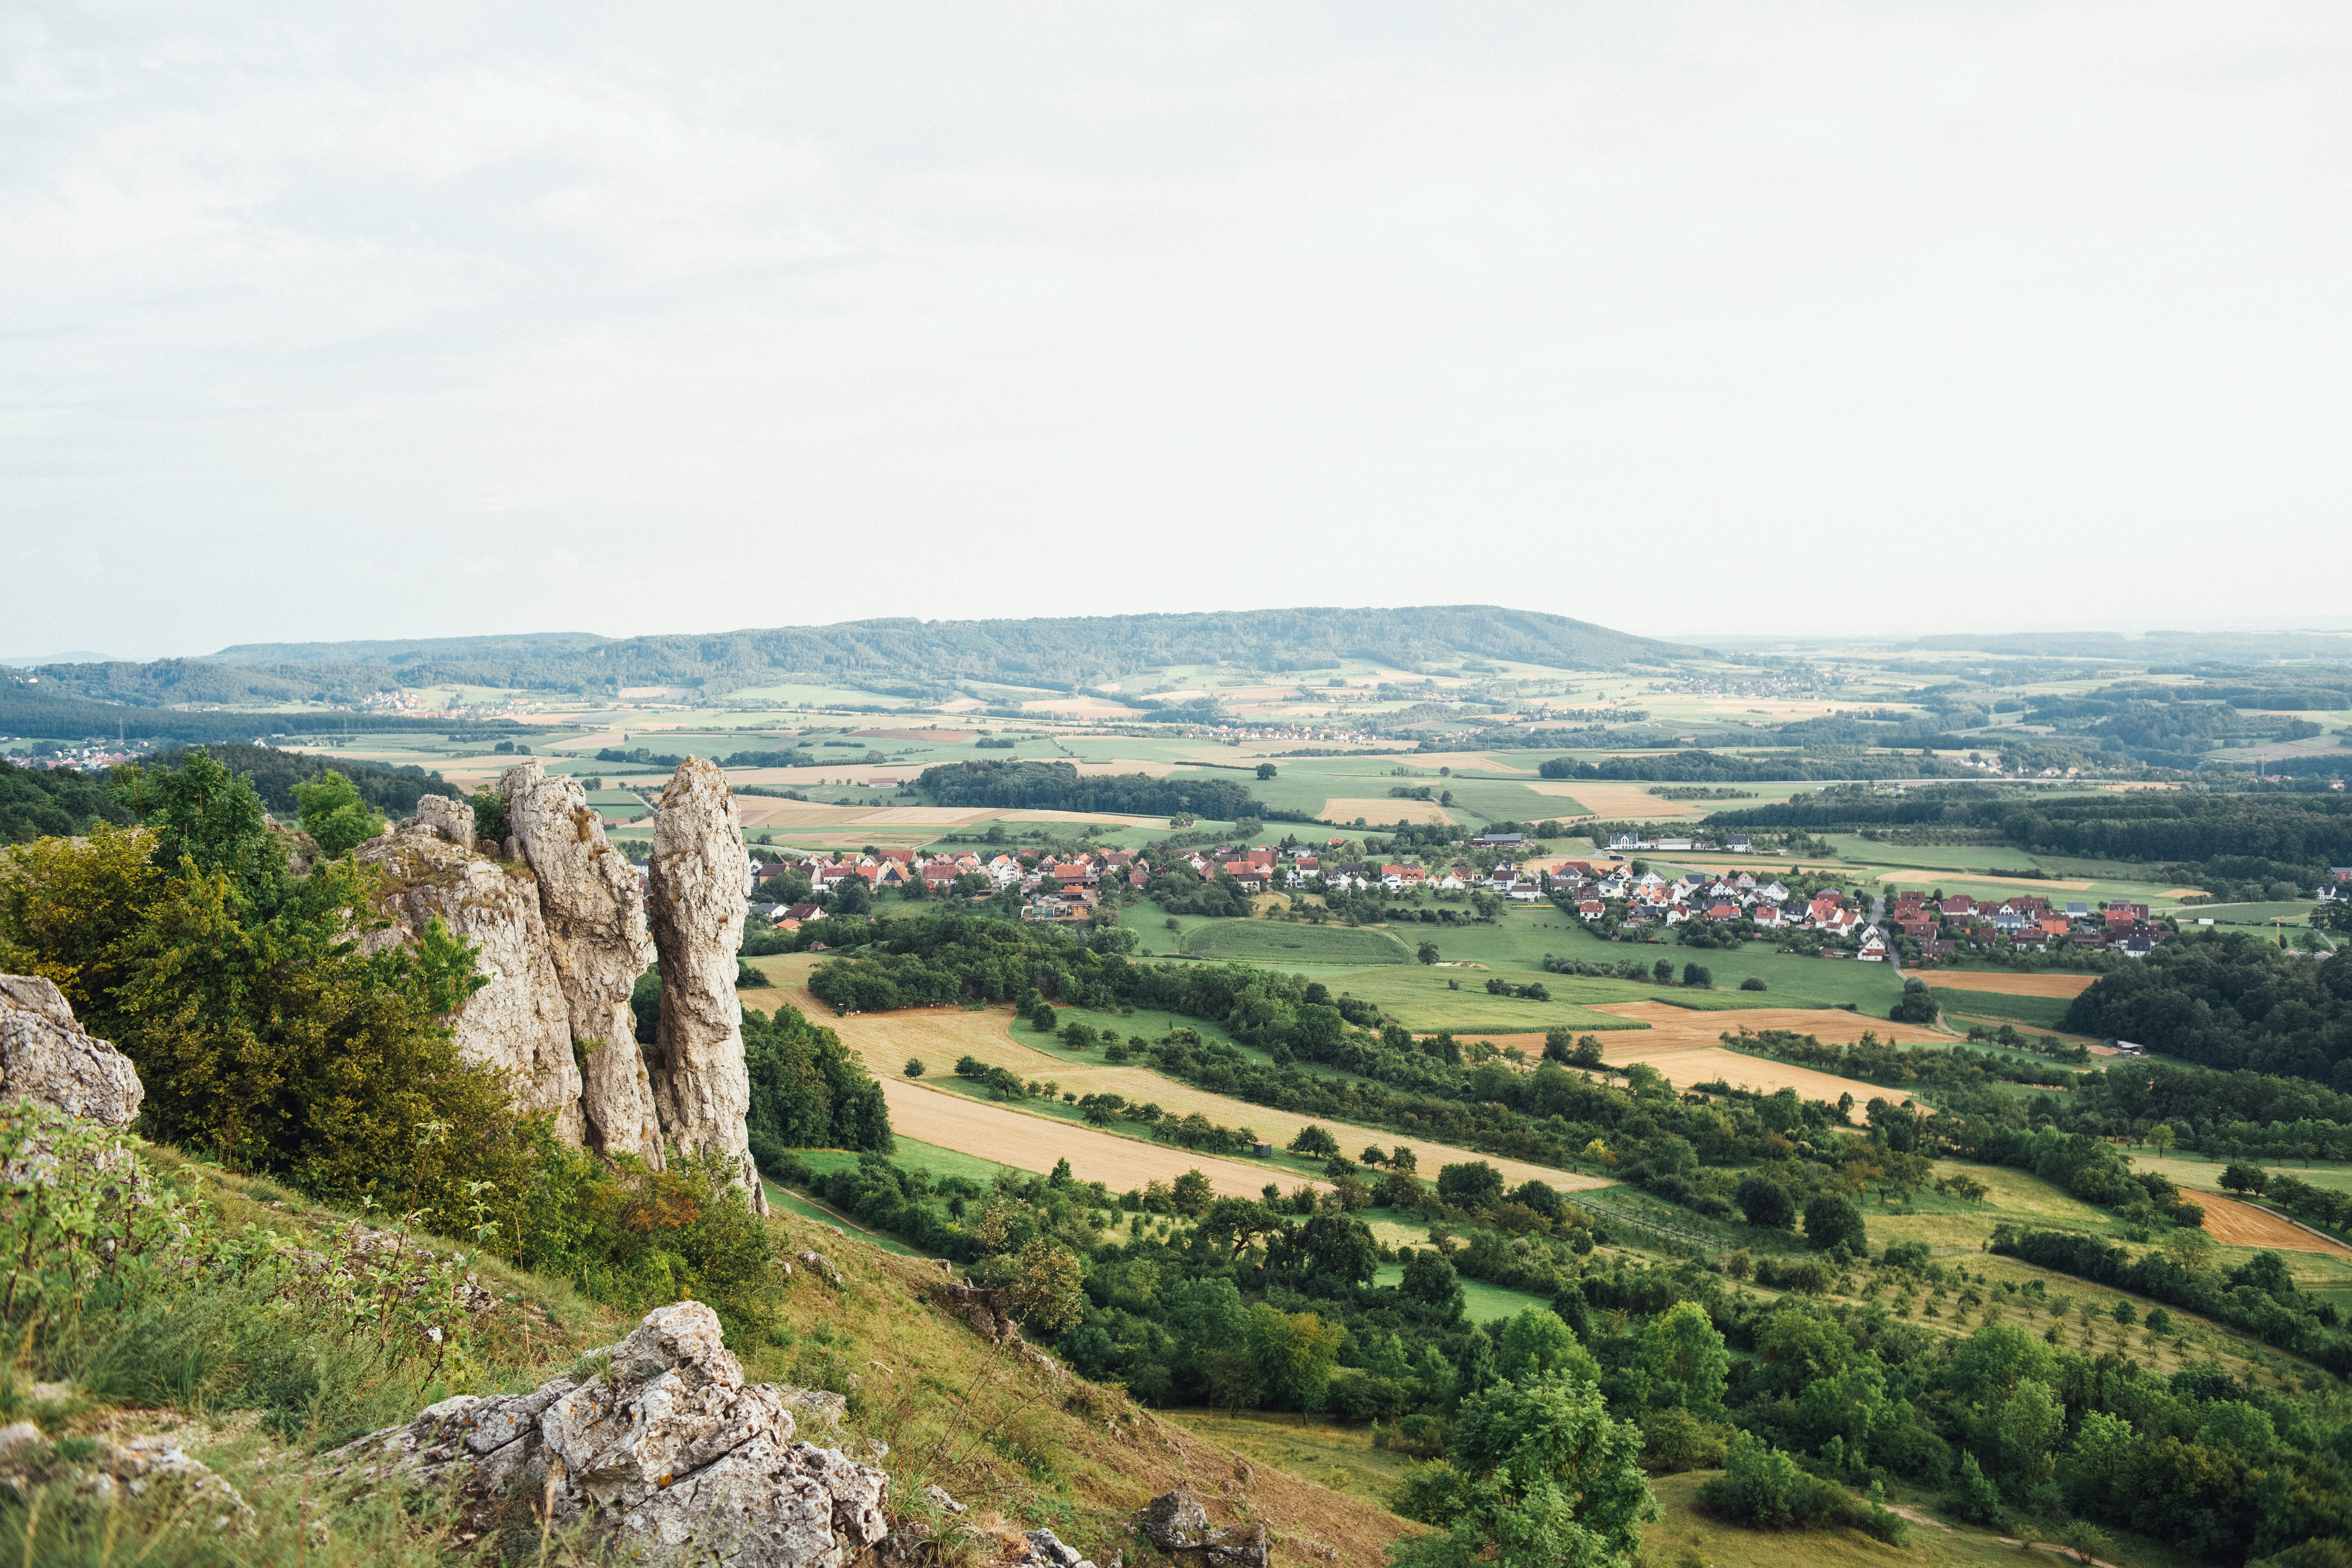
700,877
596,933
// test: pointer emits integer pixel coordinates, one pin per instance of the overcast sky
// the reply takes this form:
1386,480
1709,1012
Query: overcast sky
433,319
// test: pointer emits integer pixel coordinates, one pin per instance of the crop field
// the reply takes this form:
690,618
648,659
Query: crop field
939,1036
1290,944
1618,801
2041,1012
1381,810
1035,1143
2001,982
1687,1049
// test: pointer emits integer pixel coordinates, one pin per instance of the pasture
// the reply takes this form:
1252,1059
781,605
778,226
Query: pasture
1288,945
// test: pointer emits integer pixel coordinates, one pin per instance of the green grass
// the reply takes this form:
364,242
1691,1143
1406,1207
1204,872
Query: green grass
1325,1452
1284,942
2295,913
1482,1302
2041,1012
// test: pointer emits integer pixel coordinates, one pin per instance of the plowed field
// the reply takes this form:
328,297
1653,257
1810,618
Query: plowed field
2234,1224
2067,985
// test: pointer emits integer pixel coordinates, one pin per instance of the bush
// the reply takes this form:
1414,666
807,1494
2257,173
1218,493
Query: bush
1674,1441
1765,1202
1918,1005
1762,1487
1811,1275
1751,983
1831,1219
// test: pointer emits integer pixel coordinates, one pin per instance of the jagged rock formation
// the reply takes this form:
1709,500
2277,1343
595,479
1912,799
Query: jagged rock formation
665,1454
701,876
518,1021
47,1057
1179,1525
595,921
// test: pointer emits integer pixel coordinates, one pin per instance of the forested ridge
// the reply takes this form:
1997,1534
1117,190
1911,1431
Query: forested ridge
892,655
1059,786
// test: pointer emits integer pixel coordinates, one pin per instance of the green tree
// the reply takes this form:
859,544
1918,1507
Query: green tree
1265,769
1543,1479
1314,1142
1430,1280
1698,974
1760,1484
1191,1194
1766,1202
1426,952
851,898
1832,1219
1683,1360
1536,1342
2161,1137
334,816
1047,1283
2243,1178
1292,1354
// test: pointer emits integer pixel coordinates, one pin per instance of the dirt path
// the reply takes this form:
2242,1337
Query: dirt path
2066,985
938,1036
2235,1223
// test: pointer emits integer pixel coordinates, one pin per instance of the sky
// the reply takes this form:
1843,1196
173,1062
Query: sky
432,319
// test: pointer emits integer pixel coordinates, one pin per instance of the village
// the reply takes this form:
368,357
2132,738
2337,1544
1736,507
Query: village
1627,899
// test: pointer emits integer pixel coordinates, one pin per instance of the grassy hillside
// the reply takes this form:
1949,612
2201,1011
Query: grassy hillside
1020,1444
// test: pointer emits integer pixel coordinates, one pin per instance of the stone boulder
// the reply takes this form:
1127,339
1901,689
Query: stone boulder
106,1472
47,1057
988,1309
662,1453
518,1022
1177,1524
699,877
596,920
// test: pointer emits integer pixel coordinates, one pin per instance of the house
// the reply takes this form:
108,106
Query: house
1499,840
1591,909
2129,1048
1938,949
1737,843
1874,946
1766,914
1959,906
1622,841
2078,911
1723,911
2054,925
1672,844
1823,906
1919,929
1525,890
1772,890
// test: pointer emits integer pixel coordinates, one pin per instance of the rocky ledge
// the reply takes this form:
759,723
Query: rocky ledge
660,1452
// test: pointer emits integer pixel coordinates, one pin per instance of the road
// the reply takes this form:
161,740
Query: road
1878,913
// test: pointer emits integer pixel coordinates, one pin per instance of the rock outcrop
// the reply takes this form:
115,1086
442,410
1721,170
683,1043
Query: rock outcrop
701,876
1179,1525
664,1454
47,1057
147,1467
595,921
518,1021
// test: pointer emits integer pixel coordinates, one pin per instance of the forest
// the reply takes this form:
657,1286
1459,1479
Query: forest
900,657
1058,786
2229,1000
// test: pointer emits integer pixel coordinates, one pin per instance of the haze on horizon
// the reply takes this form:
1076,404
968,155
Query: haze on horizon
1689,320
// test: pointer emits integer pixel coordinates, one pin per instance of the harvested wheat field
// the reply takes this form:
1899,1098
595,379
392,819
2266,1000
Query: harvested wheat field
1627,801
1384,809
1914,874
759,811
1035,1143
2068,985
1685,1047
2234,1224
938,1036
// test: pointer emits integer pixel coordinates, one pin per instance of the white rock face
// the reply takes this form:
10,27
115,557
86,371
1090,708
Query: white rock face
519,1022
700,876
596,930
47,1057
665,1454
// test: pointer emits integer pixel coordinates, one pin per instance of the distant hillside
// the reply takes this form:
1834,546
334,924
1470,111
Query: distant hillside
906,657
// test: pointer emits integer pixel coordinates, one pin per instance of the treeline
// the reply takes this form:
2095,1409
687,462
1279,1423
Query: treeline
1058,786
2236,1114
273,774
37,803
2229,1000
899,656
1710,767
24,711
2238,836
2258,1298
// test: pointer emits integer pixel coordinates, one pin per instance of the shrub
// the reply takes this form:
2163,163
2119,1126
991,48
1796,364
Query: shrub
1916,1005
1766,1201
1752,982
1831,1219
1810,1274
1762,1487
1674,1441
